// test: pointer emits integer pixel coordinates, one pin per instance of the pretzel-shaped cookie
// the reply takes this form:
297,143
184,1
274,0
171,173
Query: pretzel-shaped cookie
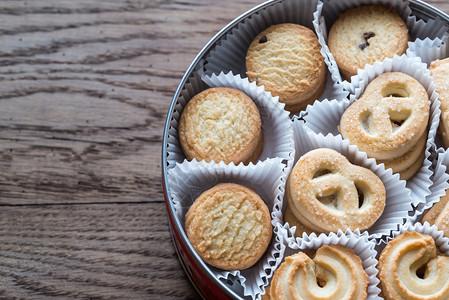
326,192
335,273
410,268
389,118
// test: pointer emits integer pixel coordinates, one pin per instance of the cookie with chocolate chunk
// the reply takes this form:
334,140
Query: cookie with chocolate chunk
365,34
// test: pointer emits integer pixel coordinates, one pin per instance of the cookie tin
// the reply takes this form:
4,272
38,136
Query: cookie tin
207,285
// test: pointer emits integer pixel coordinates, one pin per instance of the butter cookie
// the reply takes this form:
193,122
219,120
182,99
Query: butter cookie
229,226
286,60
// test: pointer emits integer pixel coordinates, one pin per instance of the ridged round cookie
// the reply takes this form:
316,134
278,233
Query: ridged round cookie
229,226
439,70
411,268
286,60
221,124
365,34
335,272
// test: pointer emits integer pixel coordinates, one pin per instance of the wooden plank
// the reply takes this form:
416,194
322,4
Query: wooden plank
103,251
86,88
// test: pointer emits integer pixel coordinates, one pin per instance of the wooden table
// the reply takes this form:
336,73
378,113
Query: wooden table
86,86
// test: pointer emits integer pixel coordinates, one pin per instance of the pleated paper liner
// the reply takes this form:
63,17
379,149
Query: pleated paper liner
229,54
418,28
188,181
441,241
438,188
325,117
356,241
398,198
429,50
276,125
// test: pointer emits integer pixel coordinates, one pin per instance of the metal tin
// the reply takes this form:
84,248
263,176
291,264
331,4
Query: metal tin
204,281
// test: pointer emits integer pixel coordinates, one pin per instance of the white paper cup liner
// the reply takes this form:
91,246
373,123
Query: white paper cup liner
193,86
418,29
441,241
188,181
358,242
439,186
398,198
429,50
276,125
229,54
325,118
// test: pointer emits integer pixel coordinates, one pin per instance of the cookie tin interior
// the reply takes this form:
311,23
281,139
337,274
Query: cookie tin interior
419,8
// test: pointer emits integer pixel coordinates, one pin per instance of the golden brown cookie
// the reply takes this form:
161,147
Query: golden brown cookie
221,124
365,34
286,60
439,70
389,121
439,214
335,272
410,268
325,192
290,218
229,226
409,163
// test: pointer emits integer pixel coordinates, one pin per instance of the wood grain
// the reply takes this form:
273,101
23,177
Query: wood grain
86,86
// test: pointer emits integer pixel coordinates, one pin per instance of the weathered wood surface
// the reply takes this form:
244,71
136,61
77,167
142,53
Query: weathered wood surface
85,89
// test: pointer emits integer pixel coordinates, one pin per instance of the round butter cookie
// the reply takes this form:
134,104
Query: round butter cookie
221,124
335,272
365,34
286,60
411,268
229,226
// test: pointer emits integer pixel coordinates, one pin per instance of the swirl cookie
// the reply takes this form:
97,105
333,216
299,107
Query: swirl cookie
229,226
365,34
221,124
410,268
335,272
389,121
325,192
286,60
439,214
439,70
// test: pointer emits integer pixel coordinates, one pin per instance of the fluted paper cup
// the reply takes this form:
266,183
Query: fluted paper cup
325,118
418,28
229,54
188,181
440,183
429,50
441,241
398,198
356,241
276,125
